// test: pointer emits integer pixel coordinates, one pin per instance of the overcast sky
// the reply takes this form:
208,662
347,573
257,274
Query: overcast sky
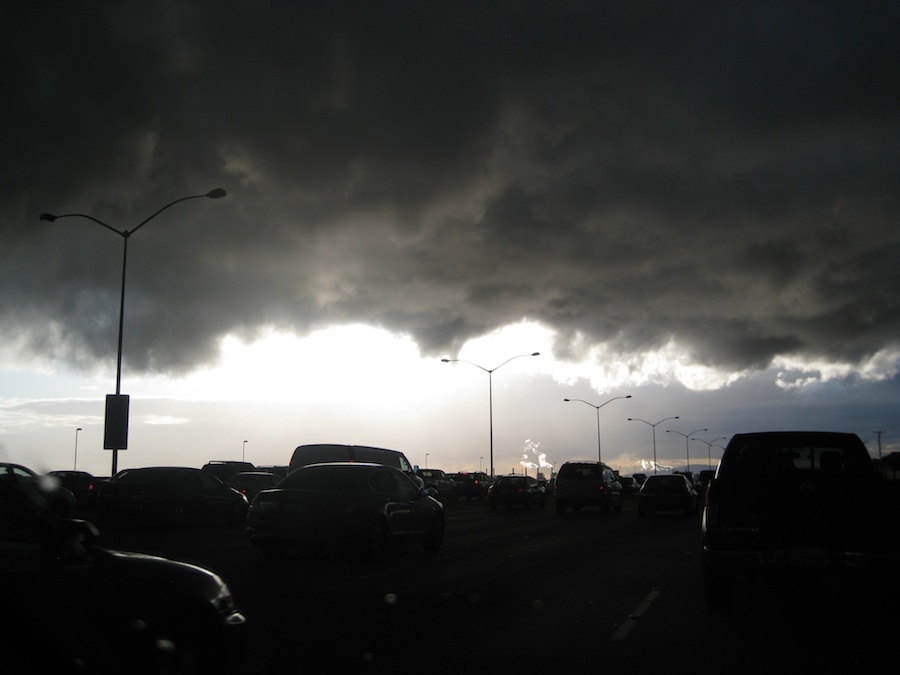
694,203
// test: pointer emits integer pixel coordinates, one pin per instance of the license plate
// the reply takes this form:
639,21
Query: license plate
809,557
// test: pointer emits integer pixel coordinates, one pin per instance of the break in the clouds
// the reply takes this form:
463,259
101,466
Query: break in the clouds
717,176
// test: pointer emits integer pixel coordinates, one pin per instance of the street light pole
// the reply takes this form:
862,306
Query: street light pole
597,407
490,372
75,465
687,451
118,434
637,419
709,447
244,452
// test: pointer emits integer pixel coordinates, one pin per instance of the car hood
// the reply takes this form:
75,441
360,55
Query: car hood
150,576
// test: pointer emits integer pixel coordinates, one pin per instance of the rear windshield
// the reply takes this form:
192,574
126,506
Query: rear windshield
150,476
580,472
327,478
663,482
760,458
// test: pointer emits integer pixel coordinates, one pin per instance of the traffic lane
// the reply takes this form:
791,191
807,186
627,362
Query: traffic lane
504,579
800,625
465,610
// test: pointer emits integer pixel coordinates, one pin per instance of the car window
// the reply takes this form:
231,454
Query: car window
760,460
327,478
23,476
406,489
583,472
382,482
208,481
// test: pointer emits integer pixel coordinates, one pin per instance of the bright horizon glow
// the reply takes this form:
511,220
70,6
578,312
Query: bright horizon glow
360,384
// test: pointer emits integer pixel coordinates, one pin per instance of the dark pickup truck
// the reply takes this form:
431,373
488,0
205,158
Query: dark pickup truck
796,503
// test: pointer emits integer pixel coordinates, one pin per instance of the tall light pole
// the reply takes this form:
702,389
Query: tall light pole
653,425
116,429
597,407
244,452
490,372
687,451
75,465
709,447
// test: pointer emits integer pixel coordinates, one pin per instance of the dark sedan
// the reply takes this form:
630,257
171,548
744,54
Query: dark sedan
367,507
170,494
71,606
516,490
667,492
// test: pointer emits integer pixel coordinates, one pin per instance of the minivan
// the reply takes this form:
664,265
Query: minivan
318,453
581,484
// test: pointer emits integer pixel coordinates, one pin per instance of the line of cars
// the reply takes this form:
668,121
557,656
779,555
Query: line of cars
71,605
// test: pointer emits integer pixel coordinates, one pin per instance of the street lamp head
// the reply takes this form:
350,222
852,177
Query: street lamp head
217,193
49,217
536,354
445,360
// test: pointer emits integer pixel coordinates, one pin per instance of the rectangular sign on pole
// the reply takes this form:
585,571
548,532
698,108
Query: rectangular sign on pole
115,435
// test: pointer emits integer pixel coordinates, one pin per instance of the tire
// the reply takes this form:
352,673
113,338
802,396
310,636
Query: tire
560,507
642,511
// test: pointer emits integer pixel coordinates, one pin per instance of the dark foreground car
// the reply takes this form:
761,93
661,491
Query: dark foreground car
797,505
367,507
44,490
170,494
667,492
516,490
71,606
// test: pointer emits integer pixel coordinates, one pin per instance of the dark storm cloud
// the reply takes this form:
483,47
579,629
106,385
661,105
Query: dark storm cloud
719,174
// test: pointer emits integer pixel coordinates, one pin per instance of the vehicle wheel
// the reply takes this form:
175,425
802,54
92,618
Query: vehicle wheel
560,507
493,505
377,544
642,511
718,589
435,537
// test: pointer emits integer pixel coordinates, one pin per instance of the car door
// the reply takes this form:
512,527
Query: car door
413,508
